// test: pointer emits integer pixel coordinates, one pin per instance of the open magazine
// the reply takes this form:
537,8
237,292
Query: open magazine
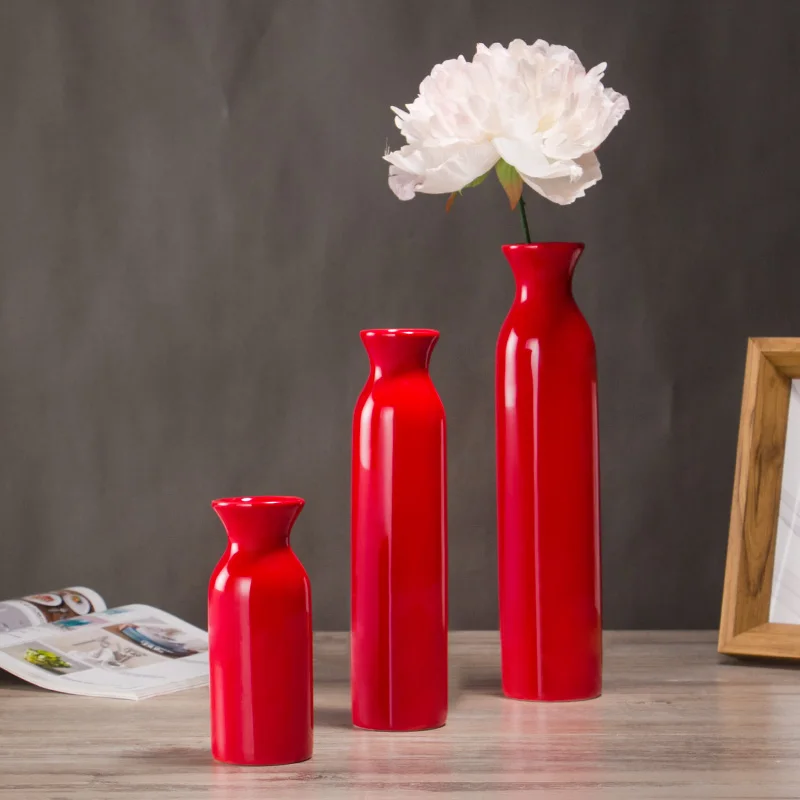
69,641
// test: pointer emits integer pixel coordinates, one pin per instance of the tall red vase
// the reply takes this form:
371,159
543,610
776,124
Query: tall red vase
399,539
547,483
259,637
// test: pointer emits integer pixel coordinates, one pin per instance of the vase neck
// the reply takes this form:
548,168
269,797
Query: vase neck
258,524
543,270
393,351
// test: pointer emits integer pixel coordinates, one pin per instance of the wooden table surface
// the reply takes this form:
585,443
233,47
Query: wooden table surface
675,721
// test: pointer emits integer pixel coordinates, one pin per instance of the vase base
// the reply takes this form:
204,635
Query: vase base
241,763
532,699
412,729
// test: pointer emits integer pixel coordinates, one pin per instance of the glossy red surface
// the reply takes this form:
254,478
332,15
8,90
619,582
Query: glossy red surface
547,483
259,637
399,539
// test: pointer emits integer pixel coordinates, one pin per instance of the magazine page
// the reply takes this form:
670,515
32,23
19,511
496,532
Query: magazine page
39,609
130,652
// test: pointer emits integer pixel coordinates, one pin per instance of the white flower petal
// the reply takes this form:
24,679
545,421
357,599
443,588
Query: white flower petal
403,184
439,170
564,191
408,159
596,73
529,158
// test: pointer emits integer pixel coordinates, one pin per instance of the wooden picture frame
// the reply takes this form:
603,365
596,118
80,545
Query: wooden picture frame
745,629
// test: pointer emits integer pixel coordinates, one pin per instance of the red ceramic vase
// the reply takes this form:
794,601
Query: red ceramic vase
547,483
399,539
259,637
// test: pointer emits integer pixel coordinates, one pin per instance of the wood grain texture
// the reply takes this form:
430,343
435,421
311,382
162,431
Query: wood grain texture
676,721
770,640
782,353
755,506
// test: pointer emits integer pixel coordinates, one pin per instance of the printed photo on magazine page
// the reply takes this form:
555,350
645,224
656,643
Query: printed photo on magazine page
39,609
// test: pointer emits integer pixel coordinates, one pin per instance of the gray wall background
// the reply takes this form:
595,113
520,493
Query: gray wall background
195,224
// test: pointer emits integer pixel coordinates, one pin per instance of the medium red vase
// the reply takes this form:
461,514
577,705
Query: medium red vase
547,483
399,539
259,637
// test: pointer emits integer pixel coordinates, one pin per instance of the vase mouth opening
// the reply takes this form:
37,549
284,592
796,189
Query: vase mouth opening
543,246
409,333
258,501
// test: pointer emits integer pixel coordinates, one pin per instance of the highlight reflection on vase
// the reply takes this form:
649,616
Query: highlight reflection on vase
399,538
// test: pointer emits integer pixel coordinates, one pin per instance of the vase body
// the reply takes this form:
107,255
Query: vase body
399,539
547,483
259,637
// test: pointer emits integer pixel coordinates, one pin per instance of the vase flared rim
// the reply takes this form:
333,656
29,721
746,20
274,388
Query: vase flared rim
400,332
535,245
258,501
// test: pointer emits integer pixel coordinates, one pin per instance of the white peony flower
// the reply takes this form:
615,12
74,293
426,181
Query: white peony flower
533,106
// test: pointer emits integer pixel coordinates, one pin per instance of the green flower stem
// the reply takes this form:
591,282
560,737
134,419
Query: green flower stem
525,227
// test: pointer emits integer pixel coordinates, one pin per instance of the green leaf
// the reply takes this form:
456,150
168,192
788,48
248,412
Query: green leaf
478,181
510,180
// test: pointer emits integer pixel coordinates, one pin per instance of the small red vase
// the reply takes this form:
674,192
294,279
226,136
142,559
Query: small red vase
259,637
399,539
547,483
